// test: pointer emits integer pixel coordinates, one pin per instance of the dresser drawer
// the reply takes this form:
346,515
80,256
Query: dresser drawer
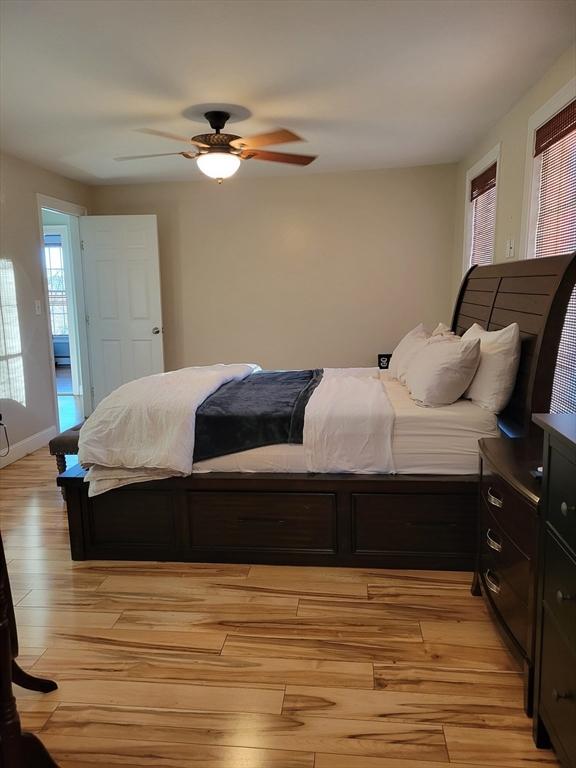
558,687
510,510
562,496
512,611
560,587
502,556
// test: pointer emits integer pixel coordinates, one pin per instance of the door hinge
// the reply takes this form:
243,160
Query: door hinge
81,245
92,394
87,319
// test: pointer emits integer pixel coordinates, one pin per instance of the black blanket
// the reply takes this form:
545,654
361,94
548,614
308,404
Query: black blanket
266,408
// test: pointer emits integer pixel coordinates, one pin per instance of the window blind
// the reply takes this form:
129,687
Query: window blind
556,234
482,183
483,201
563,123
556,223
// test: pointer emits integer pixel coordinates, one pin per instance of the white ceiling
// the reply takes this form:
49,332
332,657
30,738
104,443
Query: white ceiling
369,83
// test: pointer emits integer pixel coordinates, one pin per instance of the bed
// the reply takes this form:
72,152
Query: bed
230,510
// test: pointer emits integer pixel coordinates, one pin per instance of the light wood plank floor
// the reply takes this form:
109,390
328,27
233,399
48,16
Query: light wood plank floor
232,666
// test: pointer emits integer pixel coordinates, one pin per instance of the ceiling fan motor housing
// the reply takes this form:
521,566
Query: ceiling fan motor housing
217,142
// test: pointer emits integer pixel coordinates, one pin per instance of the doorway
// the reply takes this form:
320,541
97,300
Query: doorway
62,307
103,306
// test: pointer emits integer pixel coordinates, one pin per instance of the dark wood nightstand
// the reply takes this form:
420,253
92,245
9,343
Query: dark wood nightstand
506,570
555,659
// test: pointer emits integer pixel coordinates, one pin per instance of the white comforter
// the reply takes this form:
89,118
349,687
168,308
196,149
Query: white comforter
145,429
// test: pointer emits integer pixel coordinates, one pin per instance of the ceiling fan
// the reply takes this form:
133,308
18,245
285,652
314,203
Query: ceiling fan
219,155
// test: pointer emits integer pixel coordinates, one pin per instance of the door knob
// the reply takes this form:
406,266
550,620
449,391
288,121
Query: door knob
155,330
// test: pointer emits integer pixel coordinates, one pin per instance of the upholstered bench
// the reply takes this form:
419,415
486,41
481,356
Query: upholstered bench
64,443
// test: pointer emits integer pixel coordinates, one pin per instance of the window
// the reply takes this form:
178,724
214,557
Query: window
483,211
12,385
54,257
555,232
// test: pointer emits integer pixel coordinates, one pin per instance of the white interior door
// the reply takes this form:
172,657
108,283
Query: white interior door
122,298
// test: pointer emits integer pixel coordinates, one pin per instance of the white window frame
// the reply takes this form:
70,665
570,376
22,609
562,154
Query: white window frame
491,157
533,167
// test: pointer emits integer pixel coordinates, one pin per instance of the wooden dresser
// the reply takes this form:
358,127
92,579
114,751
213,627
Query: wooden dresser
555,661
506,570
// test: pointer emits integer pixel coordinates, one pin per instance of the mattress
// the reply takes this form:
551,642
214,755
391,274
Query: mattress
427,441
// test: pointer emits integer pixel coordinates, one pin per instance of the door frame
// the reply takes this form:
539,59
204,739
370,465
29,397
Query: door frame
75,212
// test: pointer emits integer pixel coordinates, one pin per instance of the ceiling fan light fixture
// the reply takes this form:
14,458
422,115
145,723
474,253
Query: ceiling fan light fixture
218,165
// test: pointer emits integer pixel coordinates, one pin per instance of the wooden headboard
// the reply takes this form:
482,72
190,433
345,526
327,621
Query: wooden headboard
533,293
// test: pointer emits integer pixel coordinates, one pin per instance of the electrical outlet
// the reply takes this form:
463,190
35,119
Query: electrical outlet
38,306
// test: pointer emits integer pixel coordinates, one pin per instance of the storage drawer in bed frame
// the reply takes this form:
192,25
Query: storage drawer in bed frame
397,522
299,522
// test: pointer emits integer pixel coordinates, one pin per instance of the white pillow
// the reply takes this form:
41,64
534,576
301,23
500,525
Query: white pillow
441,373
405,351
499,358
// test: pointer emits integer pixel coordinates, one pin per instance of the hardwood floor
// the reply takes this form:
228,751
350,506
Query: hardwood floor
231,666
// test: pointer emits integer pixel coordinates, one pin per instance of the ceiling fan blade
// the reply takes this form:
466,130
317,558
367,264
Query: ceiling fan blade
277,157
168,135
162,154
279,136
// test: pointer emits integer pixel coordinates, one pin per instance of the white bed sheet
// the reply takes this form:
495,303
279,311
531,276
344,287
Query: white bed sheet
437,441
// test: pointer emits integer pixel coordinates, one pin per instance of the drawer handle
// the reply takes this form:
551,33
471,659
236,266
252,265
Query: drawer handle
434,525
557,696
562,596
565,508
492,585
262,520
491,541
495,500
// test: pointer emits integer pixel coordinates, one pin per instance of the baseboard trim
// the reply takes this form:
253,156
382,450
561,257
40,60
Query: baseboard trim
28,445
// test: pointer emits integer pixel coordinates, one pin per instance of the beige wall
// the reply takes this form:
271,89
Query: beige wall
20,243
512,134
320,270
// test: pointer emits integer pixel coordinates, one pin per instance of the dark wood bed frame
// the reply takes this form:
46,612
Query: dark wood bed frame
402,521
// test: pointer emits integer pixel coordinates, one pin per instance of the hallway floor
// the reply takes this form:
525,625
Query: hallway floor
69,405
